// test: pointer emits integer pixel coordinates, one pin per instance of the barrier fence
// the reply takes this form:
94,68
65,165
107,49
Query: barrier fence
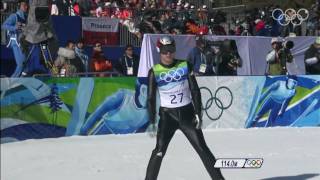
45,107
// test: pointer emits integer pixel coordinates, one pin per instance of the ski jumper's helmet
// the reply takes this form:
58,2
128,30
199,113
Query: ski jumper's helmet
166,44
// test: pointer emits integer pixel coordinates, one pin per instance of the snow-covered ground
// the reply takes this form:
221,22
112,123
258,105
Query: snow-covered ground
289,153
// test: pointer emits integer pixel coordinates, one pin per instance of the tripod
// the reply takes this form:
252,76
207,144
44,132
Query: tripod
47,57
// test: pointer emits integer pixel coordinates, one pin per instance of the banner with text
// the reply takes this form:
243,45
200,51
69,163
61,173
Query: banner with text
102,30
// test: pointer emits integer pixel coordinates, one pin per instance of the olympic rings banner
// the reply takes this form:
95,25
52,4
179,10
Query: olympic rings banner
260,101
290,15
55,107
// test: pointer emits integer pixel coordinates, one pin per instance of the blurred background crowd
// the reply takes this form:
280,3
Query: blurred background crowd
191,17
137,17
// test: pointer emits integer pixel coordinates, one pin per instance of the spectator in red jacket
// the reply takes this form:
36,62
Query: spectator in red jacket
260,28
98,62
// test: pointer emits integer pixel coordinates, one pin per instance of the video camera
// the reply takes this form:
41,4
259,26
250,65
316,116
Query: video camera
39,27
286,45
224,45
285,50
42,14
227,47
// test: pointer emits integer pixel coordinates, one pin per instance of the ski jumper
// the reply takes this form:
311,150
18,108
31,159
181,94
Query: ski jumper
180,100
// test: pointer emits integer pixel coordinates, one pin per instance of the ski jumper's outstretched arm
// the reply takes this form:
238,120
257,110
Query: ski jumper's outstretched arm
151,99
195,91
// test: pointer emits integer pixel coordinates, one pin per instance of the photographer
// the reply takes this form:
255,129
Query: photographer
312,58
202,65
230,60
14,25
278,57
216,57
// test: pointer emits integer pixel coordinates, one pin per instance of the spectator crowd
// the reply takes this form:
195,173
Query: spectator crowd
165,17
182,17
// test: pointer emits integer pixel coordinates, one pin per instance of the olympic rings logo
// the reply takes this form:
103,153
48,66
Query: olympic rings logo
254,163
290,15
219,103
172,75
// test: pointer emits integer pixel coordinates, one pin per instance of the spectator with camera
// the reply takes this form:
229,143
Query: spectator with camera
14,25
229,61
278,57
202,66
272,58
312,58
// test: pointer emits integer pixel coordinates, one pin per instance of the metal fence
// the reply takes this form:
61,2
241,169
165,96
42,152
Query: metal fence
127,37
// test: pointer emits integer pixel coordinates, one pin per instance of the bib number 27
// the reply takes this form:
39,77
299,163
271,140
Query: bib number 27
175,98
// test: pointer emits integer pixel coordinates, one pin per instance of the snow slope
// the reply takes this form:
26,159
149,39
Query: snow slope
289,153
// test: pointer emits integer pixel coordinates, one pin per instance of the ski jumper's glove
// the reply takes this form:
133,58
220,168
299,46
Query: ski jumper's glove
198,122
152,130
